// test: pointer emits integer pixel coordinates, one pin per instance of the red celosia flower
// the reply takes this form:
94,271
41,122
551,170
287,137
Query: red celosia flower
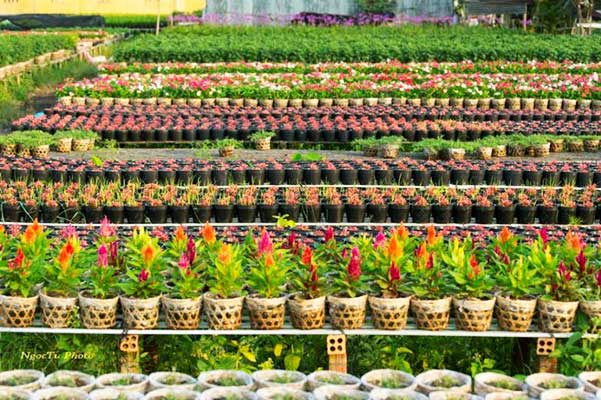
354,265
329,234
103,256
143,276
394,273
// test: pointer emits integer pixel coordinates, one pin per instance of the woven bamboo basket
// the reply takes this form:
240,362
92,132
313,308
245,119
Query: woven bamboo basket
280,378
473,314
389,150
211,102
385,101
98,313
180,102
280,103
164,101
57,312
140,313
83,381
223,313
541,104
307,314
194,102
64,145
528,104
498,104
432,315
444,102
374,379
263,144
515,315
347,313
78,101
160,380
499,150
569,104
80,144
592,309
556,145
250,102
311,103
591,145
428,382
555,104
65,100
266,313
342,102
32,378
182,313
556,316
542,150
484,104
490,382
42,151
456,102
389,313
267,103
17,312
296,103
584,104
576,146
326,102
470,104
355,102
236,102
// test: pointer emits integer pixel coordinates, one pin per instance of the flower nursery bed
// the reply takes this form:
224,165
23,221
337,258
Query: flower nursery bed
368,171
24,48
392,272
136,203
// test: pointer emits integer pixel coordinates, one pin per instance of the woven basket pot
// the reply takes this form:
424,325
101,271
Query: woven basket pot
92,102
194,102
514,103
498,104
164,101
9,149
30,379
386,101
484,152
592,309
591,381
263,144
537,383
250,102
596,104
428,382
267,103
388,379
542,150
515,315
211,379
389,313
65,100
172,393
332,378
528,104
432,315
555,104
392,394
584,104
591,145
556,316
576,146
334,392
326,102
17,312
342,102
140,313
78,101
64,145
180,102
160,380
310,102
112,394
355,102
211,102
307,314
428,102
282,392
121,101
98,313
569,104
81,381
541,104
296,103
42,151
280,103
182,313
57,312
236,102
107,101
492,382
136,383
80,145
223,313
280,378
499,151
347,313
60,393
266,313
484,104
471,104
389,150
473,314
220,393
560,394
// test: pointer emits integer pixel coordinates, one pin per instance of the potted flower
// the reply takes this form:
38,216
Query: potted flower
62,280
462,210
227,146
473,300
99,296
224,301
268,269
398,208
429,283
349,287
143,283
333,207
268,206
484,210
182,301
518,281
311,204
355,206
389,302
22,274
420,210
307,303
246,206
262,140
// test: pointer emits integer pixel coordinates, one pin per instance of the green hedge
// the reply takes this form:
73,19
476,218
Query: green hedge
17,48
133,21
311,44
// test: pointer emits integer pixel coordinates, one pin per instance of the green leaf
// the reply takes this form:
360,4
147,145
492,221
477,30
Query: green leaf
292,362
277,349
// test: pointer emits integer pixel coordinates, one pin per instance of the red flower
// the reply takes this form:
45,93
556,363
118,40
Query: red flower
581,260
329,234
143,276
394,273
543,235
354,265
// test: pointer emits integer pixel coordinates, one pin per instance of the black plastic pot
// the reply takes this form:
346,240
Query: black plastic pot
550,178
166,176
276,176
73,214
366,176
40,174
441,214
311,213
584,178
189,135
525,215
76,176
246,214
238,176
268,212
219,176
377,213
420,214
183,176
112,175
156,214
512,177
384,176
6,173
294,176
547,215
402,176
333,213
11,213
292,210
504,215
567,178
21,174
115,214
355,213
564,214
149,175
484,215
462,214
441,177
493,176
398,213
255,176
179,214
349,176
532,178
201,214
330,176
421,177
132,175
93,214
460,176
597,178
586,215
223,214
311,176
50,214
477,176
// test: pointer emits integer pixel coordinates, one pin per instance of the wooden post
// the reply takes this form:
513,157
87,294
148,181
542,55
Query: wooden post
158,25
544,347
130,353
337,352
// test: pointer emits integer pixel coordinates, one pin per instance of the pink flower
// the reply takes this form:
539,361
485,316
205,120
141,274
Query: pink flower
354,265
379,240
114,250
394,273
265,244
183,262
544,235
106,230
329,234
143,276
191,251
103,256
581,260
598,277
563,272
68,232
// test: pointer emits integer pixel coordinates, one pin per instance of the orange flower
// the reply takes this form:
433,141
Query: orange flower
225,254
269,261
432,237
393,249
505,235
180,235
69,249
421,251
402,232
574,241
208,234
32,232
64,256
148,253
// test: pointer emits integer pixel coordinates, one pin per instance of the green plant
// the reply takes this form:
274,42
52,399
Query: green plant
144,262
62,277
228,143
471,279
390,262
348,280
261,135
305,275
446,382
225,271
268,269
187,269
